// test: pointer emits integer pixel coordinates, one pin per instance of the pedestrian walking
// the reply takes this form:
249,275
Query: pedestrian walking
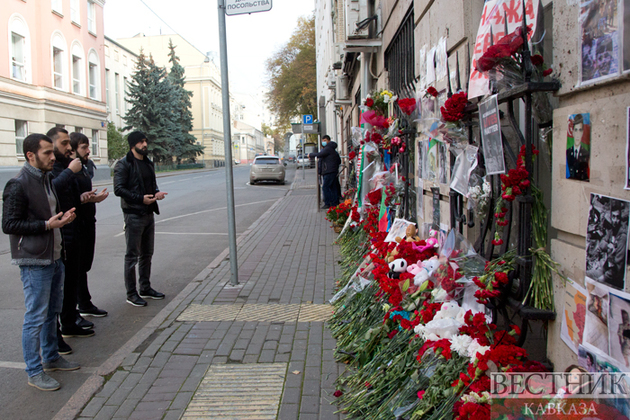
135,184
31,218
72,324
86,219
328,167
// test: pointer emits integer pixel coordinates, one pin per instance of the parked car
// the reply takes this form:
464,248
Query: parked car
303,161
267,168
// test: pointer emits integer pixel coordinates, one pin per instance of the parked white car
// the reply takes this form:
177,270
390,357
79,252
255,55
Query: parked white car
303,161
267,168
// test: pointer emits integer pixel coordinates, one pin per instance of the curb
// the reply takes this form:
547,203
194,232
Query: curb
94,383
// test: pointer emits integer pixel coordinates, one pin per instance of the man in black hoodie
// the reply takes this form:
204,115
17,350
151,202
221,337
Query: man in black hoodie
328,168
135,184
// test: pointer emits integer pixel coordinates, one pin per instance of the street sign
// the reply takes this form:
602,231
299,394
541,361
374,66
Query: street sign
241,7
307,119
310,128
296,128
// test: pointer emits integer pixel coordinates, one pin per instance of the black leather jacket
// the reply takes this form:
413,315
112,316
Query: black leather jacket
128,185
25,210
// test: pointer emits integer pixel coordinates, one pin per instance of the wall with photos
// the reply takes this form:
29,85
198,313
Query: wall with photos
590,202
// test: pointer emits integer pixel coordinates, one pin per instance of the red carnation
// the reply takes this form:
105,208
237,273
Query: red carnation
407,105
537,60
352,155
338,393
547,72
432,91
369,102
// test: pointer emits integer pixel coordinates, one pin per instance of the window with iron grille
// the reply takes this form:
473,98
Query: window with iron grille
399,58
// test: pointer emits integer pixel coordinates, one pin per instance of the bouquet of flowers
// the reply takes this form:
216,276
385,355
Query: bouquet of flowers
379,102
339,214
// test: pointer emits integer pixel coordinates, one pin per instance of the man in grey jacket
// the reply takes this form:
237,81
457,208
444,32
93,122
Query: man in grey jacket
31,219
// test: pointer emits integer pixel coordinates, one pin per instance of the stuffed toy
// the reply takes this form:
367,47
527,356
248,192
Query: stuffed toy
396,267
411,235
427,268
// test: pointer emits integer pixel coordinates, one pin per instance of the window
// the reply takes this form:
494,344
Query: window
21,131
117,92
95,143
78,129
57,6
91,17
125,91
59,61
107,88
17,57
76,74
19,49
94,76
75,15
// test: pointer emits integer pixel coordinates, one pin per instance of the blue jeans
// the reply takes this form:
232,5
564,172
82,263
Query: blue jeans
43,297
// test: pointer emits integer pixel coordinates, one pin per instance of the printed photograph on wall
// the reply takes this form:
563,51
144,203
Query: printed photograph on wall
432,160
578,147
574,315
420,149
443,168
596,323
619,328
626,35
490,127
607,241
599,24
587,359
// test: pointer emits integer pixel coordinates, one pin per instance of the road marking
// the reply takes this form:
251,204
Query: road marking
13,365
168,219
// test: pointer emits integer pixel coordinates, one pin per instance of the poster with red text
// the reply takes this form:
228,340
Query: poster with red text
495,13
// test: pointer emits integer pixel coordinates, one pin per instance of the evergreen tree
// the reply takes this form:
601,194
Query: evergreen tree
153,106
117,145
184,144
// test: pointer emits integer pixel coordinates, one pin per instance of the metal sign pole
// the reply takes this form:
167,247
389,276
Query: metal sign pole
304,156
227,140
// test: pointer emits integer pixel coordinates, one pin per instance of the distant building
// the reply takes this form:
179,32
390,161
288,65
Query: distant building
247,142
120,64
53,75
203,79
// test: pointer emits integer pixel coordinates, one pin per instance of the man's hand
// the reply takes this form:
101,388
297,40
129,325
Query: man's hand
160,195
88,196
75,166
61,219
149,199
97,198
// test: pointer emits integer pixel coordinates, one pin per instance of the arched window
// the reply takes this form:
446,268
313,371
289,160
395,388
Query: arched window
59,61
19,49
94,75
78,69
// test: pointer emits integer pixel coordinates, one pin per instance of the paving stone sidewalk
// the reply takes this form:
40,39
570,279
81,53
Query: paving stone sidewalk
259,350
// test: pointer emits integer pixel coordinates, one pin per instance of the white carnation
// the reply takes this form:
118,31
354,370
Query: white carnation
439,294
460,344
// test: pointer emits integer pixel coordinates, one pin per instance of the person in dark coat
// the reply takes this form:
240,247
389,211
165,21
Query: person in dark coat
328,168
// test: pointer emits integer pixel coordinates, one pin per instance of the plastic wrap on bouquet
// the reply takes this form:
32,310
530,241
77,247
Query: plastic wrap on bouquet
479,195
357,135
465,163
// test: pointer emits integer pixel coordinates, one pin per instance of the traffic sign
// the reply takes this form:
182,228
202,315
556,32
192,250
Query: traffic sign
307,119
241,7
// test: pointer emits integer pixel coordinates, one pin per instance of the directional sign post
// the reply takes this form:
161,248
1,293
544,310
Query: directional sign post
240,7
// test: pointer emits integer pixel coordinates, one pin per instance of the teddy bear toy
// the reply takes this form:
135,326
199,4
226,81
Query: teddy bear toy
396,267
426,269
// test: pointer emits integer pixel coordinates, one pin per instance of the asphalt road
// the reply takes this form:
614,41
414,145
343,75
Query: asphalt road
190,232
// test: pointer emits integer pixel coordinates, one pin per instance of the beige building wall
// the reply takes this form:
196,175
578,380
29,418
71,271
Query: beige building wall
120,64
203,79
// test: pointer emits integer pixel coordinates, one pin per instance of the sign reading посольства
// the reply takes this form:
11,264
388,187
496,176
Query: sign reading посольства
238,7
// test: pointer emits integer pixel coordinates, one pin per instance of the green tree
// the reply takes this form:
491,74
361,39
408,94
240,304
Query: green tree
184,144
153,107
292,75
117,146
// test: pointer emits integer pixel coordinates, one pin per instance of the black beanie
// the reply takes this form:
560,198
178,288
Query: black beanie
135,137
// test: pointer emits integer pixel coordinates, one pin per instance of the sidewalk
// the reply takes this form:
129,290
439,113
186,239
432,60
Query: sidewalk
259,350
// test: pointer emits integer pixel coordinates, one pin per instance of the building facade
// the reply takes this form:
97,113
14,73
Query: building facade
247,142
120,63
408,46
203,79
53,74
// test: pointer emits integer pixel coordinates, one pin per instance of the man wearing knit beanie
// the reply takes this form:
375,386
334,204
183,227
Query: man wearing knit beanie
135,184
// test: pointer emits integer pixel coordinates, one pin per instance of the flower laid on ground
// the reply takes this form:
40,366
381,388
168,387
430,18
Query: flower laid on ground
339,214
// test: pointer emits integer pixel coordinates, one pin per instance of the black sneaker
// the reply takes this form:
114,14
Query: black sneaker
63,347
75,331
136,300
92,311
152,294
84,323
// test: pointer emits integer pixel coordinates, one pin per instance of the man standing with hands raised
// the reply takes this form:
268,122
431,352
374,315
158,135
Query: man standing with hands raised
31,218
135,184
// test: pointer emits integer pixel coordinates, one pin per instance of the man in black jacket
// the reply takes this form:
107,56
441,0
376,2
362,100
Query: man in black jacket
86,219
31,218
328,167
69,197
135,184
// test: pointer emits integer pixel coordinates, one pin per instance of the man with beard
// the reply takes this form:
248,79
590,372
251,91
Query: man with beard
87,224
135,184
31,218
72,325
616,245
